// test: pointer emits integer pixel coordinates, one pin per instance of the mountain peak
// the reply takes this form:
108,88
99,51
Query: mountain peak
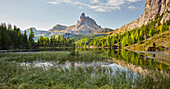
82,16
85,20
33,28
58,27
86,25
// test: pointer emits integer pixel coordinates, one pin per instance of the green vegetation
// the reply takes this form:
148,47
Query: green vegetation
158,40
137,35
31,36
87,40
138,60
54,42
14,75
50,56
11,38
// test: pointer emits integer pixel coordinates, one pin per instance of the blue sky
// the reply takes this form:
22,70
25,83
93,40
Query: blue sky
44,14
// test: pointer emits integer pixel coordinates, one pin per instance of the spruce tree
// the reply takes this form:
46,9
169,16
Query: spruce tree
31,36
68,41
25,39
59,39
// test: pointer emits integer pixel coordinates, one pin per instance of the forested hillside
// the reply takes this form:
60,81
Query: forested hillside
12,38
137,35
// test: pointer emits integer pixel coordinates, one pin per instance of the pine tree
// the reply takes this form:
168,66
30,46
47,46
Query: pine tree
108,40
31,36
68,41
59,39
113,41
63,39
51,41
123,43
25,40
54,40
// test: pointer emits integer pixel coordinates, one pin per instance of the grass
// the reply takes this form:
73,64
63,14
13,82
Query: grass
15,76
80,77
50,56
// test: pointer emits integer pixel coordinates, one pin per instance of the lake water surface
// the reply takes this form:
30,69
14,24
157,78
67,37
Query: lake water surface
115,58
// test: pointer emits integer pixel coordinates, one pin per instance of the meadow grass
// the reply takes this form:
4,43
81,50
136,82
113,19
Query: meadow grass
50,56
15,76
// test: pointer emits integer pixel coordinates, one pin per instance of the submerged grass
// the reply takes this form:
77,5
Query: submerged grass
13,75
50,56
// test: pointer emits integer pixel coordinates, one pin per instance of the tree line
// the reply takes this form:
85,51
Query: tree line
12,38
54,41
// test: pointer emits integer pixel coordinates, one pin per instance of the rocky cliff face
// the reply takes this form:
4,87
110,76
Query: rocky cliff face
86,25
152,9
85,21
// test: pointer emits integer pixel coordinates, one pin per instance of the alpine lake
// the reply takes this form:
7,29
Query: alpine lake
68,68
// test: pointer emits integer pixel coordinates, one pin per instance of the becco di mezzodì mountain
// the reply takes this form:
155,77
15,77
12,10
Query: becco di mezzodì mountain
84,26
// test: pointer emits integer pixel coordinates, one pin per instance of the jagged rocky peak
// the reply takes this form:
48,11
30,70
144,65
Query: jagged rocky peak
85,20
86,25
82,16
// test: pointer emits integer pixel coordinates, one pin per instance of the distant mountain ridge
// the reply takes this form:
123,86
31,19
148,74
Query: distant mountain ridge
37,33
58,27
85,26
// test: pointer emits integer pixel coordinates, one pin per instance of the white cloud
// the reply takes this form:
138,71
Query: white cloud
131,7
133,0
100,8
53,2
59,2
95,1
97,5
115,2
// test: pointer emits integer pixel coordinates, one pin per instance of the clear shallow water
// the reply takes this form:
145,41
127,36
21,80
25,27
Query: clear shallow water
114,59
45,65
66,64
110,68
143,60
